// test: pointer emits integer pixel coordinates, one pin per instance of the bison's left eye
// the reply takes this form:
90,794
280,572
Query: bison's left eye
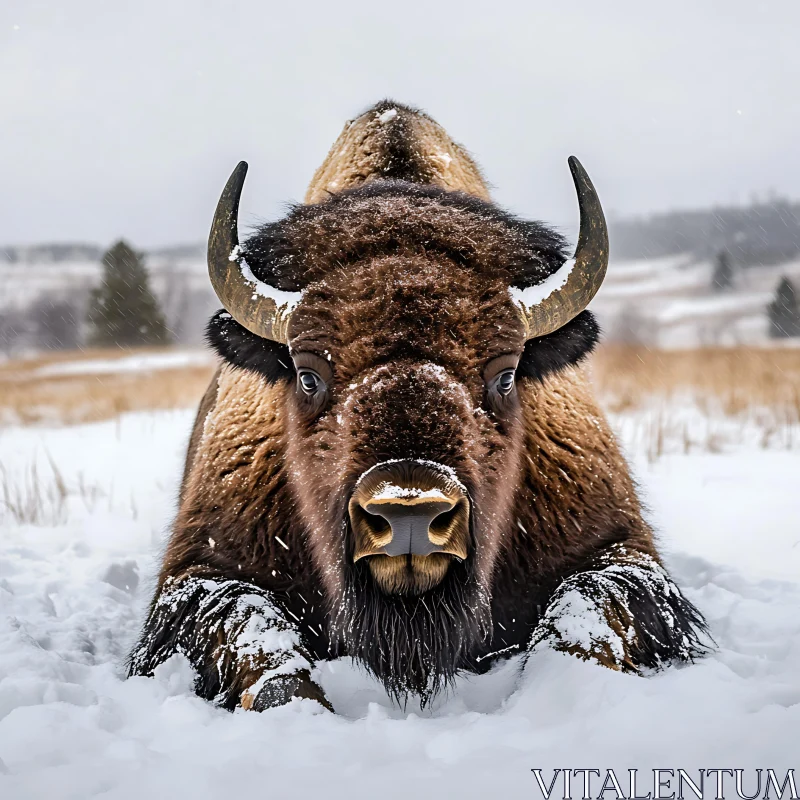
310,382
505,382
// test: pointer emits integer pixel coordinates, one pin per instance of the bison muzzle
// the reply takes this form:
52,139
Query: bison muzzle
411,519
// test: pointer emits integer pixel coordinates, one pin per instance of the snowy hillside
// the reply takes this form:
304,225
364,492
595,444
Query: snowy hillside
83,518
664,302
25,281
668,302
179,281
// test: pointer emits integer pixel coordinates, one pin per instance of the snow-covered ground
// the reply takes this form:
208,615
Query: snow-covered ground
143,362
77,558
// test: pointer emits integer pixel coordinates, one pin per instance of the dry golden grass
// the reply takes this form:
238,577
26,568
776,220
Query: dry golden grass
27,397
727,381
730,380
31,498
701,400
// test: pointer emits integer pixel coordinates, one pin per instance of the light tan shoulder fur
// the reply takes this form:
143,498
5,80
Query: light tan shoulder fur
392,141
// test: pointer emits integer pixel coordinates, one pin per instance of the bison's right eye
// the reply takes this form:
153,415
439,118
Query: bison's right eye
310,382
499,375
314,379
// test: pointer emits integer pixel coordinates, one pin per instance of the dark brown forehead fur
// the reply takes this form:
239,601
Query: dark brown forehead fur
415,306
399,218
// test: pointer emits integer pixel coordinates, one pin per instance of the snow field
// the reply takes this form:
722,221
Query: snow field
74,585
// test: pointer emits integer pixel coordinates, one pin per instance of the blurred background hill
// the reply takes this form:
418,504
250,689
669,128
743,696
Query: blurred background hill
664,287
45,292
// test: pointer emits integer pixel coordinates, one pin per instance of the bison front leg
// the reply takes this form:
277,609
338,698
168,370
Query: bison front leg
244,650
624,611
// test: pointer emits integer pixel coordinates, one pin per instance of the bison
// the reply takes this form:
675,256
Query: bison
400,459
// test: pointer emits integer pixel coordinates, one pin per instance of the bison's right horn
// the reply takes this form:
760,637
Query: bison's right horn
257,306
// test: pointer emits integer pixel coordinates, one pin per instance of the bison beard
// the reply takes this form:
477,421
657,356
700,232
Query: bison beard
412,644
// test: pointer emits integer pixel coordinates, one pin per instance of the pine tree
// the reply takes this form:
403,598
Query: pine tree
722,278
784,312
123,310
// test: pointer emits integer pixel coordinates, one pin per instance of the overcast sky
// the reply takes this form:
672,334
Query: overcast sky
124,118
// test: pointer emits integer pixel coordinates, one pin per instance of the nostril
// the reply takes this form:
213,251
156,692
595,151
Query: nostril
442,523
375,522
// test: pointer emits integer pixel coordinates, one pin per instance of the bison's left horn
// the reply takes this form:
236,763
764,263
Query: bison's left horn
262,309
553,303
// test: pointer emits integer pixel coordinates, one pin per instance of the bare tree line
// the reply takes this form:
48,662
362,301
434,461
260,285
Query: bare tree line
56,318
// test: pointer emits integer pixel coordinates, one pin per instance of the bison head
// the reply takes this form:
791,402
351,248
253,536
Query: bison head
400,321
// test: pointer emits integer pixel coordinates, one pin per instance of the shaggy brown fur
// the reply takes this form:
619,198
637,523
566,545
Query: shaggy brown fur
406,302
402,219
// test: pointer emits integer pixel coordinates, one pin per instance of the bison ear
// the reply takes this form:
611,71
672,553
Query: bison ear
238,346
568,345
